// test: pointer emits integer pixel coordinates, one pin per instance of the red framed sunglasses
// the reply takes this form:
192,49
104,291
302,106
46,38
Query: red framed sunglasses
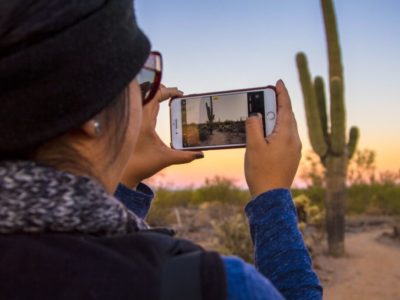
149,77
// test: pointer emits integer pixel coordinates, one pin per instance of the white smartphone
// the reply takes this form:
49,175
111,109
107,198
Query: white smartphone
217,120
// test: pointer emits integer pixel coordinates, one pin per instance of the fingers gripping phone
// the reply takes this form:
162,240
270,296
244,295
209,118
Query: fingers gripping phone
217,120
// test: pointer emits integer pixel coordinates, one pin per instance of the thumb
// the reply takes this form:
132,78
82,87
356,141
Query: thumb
254,131
177,157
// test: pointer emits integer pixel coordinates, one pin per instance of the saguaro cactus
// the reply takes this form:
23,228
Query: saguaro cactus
210,115
329,140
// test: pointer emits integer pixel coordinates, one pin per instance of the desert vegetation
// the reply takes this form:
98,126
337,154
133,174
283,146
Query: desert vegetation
213,216
215,133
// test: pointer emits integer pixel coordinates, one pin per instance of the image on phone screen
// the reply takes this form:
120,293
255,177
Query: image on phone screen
218,119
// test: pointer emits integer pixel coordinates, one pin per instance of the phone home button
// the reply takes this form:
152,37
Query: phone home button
270,115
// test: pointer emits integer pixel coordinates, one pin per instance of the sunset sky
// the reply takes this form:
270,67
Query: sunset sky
213,45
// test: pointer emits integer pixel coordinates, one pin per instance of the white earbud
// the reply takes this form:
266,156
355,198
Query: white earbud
97,127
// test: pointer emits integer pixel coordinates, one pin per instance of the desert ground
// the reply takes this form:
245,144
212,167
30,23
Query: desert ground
222,138
370,269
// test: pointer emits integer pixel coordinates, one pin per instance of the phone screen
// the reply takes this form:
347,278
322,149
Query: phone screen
218,120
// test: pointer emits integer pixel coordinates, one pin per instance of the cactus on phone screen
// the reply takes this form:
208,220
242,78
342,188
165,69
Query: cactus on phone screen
210,115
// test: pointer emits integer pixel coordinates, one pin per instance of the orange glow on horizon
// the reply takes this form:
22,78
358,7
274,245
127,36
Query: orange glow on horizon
229,163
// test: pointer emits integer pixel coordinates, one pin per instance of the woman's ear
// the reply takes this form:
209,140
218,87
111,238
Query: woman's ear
92,128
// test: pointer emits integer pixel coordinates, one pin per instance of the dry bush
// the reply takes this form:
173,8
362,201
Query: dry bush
233,236
310,221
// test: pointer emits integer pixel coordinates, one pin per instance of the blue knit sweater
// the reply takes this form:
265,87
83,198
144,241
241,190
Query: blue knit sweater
282,268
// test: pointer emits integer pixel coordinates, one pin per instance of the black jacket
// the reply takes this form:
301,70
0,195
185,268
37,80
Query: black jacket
135,266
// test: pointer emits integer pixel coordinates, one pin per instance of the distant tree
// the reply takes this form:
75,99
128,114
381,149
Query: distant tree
362,168
390,177
311,170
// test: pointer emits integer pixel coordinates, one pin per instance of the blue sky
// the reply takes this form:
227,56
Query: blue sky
218,45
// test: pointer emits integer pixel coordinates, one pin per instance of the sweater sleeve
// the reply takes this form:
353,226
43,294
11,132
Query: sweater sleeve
280,253
138,201
246,283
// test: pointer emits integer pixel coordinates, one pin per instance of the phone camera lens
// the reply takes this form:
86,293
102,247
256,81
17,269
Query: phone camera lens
270,115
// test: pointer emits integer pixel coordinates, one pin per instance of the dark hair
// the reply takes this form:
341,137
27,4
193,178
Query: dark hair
59,152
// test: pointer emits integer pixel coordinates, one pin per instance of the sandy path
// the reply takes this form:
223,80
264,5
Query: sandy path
217,138
223,138
371,270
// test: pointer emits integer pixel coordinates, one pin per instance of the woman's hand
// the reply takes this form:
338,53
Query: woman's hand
151,155
272,162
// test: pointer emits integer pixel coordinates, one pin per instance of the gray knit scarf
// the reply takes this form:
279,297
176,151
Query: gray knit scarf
38,198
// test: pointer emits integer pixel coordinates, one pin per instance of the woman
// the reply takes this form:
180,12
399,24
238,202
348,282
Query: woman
79,94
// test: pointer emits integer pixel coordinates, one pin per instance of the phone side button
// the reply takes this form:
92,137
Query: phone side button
270,115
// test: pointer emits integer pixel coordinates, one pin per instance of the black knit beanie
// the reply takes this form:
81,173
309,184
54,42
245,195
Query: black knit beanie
77,56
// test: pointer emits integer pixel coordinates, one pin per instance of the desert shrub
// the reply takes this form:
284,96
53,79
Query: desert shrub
374,199
172,198
192,134
204,134
161,212
222,190
218,189
160,216
214,225
307,212
233,236
316,194
241,127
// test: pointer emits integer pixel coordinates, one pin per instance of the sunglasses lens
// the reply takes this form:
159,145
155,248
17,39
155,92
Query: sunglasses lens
146,80
154,61
149,77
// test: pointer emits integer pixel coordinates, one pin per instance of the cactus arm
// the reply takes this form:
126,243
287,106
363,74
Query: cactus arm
321,101
338,117
313,119
353,140
332,38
